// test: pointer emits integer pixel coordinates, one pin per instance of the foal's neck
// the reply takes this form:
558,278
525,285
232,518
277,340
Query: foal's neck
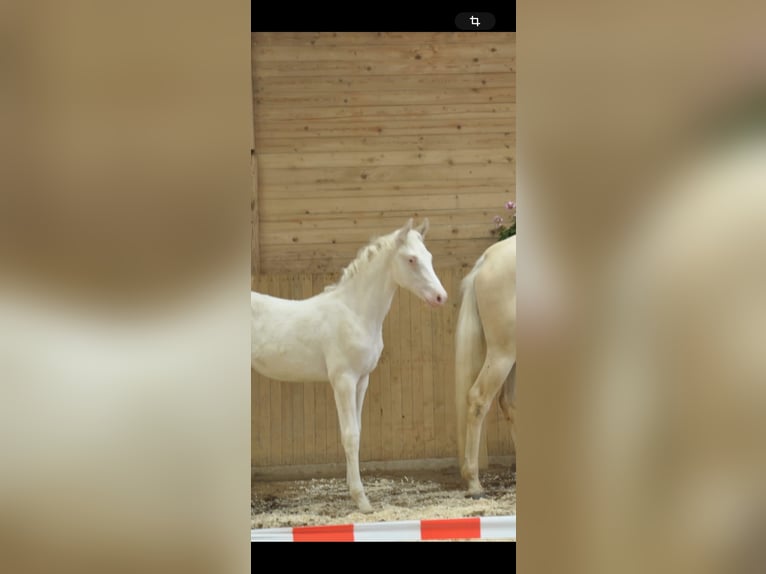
370,292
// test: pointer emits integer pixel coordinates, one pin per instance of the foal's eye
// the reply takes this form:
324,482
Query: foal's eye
413,259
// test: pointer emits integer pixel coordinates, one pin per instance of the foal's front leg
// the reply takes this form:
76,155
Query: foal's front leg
345,389
361,390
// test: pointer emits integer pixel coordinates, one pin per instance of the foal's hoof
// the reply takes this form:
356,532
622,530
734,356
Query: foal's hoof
365,507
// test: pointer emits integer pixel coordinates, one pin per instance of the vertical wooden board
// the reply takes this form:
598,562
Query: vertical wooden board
331,425
320,422
364,430
262,393
286,426
448,332
275,412
395,378
418,418
287,390
498,421
440,391
309,401
386,431
483,446
384,377
405,337
490,426
263,423
334,445
298,435
297,390
500,443
427,381
371,420
260,413
271,287
503,433
320,403
309,424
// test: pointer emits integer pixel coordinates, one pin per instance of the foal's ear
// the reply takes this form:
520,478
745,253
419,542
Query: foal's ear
401,235
423,229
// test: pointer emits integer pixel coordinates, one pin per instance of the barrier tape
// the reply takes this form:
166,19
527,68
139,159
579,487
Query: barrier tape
477,528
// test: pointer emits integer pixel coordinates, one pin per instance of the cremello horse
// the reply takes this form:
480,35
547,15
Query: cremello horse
485,351
337,336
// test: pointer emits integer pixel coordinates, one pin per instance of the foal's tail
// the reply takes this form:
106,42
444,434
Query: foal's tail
469,352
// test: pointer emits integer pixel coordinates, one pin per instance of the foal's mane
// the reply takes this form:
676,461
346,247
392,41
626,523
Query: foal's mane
364,256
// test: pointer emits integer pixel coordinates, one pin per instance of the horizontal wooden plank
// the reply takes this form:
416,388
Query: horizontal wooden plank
494,49
352,128
499,170
383,68
302,100
456,140
384,113
385,158
405,203
376,38
391,116
404,83
275,235
374,223
434,188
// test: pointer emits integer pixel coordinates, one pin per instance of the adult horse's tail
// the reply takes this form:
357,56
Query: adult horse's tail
469,353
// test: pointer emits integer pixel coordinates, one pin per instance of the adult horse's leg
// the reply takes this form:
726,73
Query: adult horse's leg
496,368
508,403
345,389
495,295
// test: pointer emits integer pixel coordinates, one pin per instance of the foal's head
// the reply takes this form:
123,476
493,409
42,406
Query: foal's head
412,265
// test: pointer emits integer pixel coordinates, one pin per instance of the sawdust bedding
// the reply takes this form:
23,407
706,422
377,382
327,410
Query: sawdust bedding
413,495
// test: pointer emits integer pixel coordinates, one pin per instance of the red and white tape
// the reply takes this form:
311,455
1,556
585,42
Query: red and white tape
479,528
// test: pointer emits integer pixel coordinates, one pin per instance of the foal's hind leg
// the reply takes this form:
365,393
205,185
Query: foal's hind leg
480,396
345,389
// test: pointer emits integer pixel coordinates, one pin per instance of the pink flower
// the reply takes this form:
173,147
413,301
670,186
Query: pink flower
510,205
498,221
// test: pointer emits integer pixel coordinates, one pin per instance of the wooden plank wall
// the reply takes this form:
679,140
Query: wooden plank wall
354,133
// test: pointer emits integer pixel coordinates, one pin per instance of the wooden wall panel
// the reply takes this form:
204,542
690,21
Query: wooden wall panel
354,133
367,130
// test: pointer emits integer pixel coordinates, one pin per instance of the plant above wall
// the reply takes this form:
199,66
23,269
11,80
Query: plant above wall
501,230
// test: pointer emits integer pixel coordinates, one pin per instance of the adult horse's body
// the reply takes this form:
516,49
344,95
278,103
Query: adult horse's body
485,351
337,335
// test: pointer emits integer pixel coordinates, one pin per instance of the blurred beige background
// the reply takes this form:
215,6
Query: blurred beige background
125,251
124,234
641,287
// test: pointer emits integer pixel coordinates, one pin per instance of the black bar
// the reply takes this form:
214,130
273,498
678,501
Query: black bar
280,16
501,556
